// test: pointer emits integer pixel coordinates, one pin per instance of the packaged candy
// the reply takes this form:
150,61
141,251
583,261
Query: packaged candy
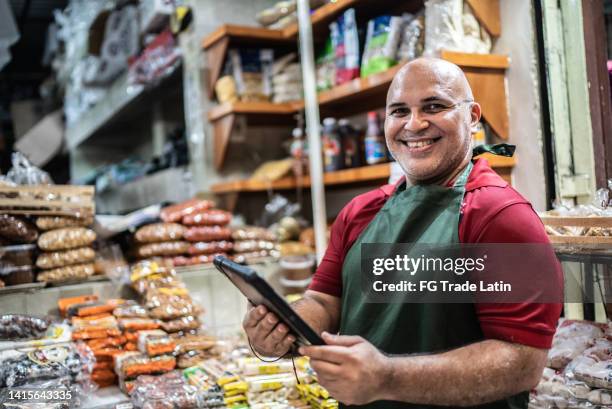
22,327
130,309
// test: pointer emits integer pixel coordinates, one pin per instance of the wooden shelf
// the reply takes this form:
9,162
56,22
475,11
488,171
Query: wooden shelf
255,108
342,177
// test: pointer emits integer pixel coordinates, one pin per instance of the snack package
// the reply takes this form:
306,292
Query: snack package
101,343
169,303
57,259
60,222
176,212
136,363
208,233
160,232
253,245
345,40
130,309
210,247
68,273
252,233
189,343
68,238
102,321
195,260
212,217
412,39
188,323
443,25
22,327
326,67
571,339
165,391
17,229
170,248
64,303
155,342
382,41
138,324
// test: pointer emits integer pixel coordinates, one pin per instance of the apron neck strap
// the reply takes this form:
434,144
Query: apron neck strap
501,149
461,181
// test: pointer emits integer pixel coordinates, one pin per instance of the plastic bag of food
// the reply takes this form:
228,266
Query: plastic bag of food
155,342
176,212
210,247
130,309
165,391
443,25
254,256
382,42
22,327
188,323
571,339
138,324
145,271
346,45
195,260
17,229
68,238
131,364
194,342
252,233
156,282
208,233
24,173
68,273
61,222
169,248
212,217
102,321
246,246
65,258
160,232
412,41
170,303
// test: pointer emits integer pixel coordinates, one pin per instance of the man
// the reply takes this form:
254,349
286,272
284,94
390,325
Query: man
463,355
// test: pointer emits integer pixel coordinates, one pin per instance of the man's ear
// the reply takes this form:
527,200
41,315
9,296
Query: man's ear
475,115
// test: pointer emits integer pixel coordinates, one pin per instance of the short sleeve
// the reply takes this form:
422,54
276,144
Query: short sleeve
531,324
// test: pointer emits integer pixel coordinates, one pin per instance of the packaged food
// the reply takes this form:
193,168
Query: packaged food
254,256
191,358
42,364
17,326
165,391
65,258
139,364
210,247
252,233
59,222
17,229
103,377
64,303
138,324
381,45
16,256
68,273
443,26
101,343
100,322
170,303
572,338
253,366
212,217
95,333
176,212
90,308
17,275
208,233
130,309
64,239
156,342
130,346
253,245
195,260
169,248
156,281
181,324
159,232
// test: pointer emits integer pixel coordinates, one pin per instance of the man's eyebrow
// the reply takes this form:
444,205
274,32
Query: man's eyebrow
396,104
433,99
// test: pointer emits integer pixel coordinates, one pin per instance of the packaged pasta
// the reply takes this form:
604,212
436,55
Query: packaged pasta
17,229
170,248
176,212
160,232
57,259
64,239
68,273
212,217
59,222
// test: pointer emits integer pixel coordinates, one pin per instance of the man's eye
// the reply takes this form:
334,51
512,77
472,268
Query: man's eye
433,108
400,111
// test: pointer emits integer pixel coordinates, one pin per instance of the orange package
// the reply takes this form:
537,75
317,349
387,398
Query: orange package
138,324
104,353
64,303
131,336
107,364
95,309
104,377
93,334
130,346
150,367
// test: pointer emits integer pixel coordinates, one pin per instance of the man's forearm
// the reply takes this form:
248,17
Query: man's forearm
479,373
315,313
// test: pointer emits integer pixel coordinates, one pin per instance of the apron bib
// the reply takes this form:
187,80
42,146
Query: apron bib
416,214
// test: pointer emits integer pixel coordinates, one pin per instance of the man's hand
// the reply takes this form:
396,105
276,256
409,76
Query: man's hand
349,367
267,336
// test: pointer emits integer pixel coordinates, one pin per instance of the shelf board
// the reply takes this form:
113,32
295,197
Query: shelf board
342,177
254,108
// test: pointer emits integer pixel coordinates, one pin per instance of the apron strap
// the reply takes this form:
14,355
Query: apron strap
501,149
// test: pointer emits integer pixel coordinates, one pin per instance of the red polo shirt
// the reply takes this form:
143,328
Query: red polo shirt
491,212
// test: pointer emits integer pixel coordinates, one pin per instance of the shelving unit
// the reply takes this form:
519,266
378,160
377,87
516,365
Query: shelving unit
375,173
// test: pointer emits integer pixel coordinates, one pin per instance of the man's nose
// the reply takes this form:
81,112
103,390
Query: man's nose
415,122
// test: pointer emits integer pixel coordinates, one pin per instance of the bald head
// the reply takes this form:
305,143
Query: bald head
427,70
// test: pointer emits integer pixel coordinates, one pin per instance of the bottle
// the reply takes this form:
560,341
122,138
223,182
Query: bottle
332,146
350,144
375,146
298,144
479,137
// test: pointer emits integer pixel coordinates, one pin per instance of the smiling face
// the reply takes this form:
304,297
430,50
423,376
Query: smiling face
429,120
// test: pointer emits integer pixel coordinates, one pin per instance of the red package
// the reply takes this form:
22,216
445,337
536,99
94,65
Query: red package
176,212
212,217
208,233
211,247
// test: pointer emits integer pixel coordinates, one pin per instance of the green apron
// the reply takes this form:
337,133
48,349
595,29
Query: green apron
417,214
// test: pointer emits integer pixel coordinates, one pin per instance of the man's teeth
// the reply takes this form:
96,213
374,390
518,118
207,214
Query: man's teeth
420,144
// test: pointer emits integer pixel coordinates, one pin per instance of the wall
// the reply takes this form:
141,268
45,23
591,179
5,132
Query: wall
518,40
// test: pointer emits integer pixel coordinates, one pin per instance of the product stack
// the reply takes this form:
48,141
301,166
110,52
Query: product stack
66,249
286,79
578,372
17,252
253,243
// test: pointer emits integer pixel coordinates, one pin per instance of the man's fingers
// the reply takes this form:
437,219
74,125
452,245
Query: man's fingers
326,370
278,333
254,316
343,340
329,353
266,325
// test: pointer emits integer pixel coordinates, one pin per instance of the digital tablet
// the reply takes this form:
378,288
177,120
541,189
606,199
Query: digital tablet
259,292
